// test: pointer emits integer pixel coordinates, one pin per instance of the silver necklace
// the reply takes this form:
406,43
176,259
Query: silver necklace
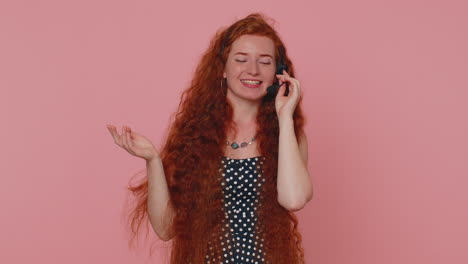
234,144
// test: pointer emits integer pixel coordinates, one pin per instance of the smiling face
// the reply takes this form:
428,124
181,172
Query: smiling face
250,67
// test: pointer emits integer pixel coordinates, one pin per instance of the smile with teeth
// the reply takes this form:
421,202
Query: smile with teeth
251,82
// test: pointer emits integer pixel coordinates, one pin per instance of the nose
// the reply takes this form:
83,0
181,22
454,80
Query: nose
252,68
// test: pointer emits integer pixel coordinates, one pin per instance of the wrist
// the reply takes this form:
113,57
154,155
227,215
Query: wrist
155,158
285,120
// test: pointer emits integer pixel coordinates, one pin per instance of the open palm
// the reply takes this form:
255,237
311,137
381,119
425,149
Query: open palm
134,143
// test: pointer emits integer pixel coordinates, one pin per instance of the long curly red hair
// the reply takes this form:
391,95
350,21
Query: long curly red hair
191,156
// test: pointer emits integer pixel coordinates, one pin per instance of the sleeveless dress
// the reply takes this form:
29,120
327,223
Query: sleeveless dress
241,181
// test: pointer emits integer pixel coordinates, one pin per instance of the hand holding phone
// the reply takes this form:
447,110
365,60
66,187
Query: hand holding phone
272,90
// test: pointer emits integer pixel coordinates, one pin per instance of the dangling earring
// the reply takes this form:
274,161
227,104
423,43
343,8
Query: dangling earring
222,90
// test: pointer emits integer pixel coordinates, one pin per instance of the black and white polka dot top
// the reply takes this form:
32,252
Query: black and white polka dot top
241,183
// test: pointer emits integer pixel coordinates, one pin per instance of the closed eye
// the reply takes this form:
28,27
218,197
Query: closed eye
267,63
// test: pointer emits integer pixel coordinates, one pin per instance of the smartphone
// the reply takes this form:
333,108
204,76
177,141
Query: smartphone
272,90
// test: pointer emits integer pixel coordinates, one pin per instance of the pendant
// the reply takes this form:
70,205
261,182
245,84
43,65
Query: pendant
234,145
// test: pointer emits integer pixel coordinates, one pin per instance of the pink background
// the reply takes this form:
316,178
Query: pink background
385,91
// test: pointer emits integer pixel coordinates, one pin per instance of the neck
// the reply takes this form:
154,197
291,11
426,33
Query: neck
245,112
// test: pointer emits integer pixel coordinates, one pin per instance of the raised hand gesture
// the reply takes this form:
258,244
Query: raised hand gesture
285,105
133,143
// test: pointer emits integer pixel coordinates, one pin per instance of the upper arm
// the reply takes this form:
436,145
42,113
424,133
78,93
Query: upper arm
303,146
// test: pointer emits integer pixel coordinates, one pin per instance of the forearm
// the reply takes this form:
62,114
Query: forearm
160,211
293,183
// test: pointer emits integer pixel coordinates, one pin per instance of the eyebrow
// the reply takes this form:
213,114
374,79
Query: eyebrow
261,55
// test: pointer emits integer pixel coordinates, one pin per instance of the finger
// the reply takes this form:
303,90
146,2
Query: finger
119,137
299,88
292,90
295,85
124,137
281,90
280,76
281,79
115,135
127,142
110,129
129,138
130,134
285,78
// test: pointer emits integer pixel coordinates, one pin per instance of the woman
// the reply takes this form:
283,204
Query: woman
217,199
